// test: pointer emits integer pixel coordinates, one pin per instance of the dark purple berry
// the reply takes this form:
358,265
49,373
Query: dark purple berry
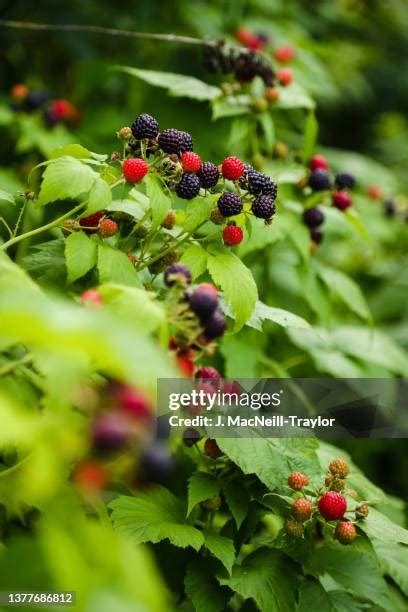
109,432
50,117
390,209
186,142
203,302
215,326
188,187
313,217
35,99
156,463
191,436
263,207
145,126
178,274
208,175
171,140
261,184
345,180
229,204
320,180
316,235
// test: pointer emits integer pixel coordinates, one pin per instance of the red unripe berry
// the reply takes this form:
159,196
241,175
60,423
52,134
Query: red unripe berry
107,228
91,476
190,161
374,192
342,200
212,449
345,532
63,109
19,91
91,221
91,297
272,94
284,76
332,506
134,169
285,53
232,168
249,40
208,287
208,372
232,235
186,366
297,481
302,509
133,402
318,162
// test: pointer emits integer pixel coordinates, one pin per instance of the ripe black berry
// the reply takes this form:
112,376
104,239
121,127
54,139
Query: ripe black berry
35,99
229,204
215,326
316,235
188,187
171,140
320,180
145,126
177,274
203,302
208,175
109,432
186,142
191,436
261,184
313,217
263,207
156,463
345,180
390,209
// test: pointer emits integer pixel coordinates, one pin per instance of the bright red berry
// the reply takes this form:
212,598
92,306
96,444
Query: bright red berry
318,162
209,288
107,228
190,161
249,40
90,476
297,481
133,402
284,76
186,366
63,109
91,297
208,372
302,509
232,168
232,235
345,532
134,169
342,200
339,467
332,506
285,53
92,221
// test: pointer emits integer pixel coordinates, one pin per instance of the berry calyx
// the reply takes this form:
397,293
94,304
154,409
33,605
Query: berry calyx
211,449
294,528
208,372
91,297
341,200
134,169
297,481
232,168
208,175
229,204
145,126
339,467
318,162
284,76
320,180
313,217
188,187
284,53
332,506
107,228
302,509
345,532
232,235
190,161
263,207
178,274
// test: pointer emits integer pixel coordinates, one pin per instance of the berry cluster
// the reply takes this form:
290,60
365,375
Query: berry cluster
326,503
53,111
244,64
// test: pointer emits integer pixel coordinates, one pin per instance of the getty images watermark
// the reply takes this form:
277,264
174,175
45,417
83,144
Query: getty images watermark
323,407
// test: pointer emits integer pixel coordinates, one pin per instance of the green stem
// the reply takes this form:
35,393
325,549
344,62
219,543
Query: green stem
13,365
43,228
170,248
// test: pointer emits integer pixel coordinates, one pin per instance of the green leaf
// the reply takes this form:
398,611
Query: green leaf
201,486
115,267
294,96
346,289
310,136
240,128
159,202
137,305
284,318
6,197
198,210
379,526
178,85
268,577
222,548
195,258
100,196
229,107
237,499
202,588
64,178
312,596
236,280
268,129
80,255
6,115
72,150
298,234
354,219
155,516
393,560
129,207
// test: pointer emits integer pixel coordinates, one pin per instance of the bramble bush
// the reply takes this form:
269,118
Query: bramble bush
149,262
